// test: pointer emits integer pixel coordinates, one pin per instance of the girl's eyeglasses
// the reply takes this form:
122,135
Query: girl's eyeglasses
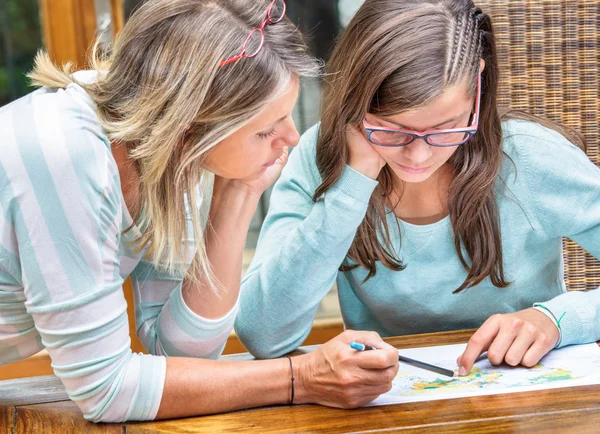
256,39
442,138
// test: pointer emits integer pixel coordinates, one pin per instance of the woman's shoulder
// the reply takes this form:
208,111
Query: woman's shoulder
53,137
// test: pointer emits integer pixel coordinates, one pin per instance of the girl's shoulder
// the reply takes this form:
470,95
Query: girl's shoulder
539,157
526,138
537,149
308,142
302,163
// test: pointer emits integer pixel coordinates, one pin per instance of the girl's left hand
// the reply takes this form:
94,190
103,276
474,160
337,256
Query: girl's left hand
522,337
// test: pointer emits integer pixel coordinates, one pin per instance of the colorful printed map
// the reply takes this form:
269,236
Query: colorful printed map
566,367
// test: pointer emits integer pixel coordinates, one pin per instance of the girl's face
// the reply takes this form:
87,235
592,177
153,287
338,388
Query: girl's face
418,161
257,145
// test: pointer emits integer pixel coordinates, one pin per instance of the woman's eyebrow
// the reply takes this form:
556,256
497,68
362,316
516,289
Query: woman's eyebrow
273,124
279,120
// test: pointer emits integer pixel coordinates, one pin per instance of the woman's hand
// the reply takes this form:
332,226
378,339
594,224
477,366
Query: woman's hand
520,338
257,184
339,376
364,157
234,203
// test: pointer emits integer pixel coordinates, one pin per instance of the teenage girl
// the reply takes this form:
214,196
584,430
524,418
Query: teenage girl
430,210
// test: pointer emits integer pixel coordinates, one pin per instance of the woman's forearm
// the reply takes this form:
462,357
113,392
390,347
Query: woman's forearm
231,212
334,375
198,387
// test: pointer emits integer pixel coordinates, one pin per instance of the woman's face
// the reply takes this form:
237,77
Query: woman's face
257,145
418,161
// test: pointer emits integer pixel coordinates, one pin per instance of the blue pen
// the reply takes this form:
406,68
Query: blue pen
416,363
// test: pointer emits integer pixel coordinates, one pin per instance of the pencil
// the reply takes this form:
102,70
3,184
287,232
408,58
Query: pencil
416,363
427,366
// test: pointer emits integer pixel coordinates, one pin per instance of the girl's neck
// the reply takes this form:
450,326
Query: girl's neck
425,202
128,174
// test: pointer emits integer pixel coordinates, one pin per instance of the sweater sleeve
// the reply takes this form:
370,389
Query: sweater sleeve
300,248
164,322
166,325
564,189
66,211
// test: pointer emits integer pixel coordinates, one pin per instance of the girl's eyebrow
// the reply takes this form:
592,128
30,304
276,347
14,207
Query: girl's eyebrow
432,128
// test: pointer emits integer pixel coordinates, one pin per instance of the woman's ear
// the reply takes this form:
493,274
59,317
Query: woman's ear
481,65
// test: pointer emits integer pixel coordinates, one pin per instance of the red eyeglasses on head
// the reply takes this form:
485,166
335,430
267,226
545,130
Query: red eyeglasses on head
256,39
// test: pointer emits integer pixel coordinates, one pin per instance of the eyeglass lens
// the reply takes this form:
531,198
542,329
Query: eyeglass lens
277,11
390,138
253,43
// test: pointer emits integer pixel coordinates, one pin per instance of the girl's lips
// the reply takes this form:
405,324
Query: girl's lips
269,164
413,170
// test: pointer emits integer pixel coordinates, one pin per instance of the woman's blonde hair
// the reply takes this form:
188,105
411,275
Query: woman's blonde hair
162,93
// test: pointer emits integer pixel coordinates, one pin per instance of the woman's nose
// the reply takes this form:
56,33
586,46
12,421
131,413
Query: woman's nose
290,136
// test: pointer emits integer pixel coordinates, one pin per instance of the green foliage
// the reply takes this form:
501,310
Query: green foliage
20,29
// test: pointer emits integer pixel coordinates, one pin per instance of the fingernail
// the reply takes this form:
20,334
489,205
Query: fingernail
462,371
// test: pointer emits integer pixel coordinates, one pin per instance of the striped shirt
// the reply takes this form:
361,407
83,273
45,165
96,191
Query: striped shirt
64,256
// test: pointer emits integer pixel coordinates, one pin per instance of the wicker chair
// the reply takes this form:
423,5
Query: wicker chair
549,55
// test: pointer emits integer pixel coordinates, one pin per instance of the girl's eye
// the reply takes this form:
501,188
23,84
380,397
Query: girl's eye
267,134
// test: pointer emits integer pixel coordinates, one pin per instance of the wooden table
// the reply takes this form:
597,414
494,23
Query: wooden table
40,404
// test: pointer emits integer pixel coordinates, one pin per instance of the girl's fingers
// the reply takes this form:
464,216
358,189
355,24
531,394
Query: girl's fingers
519,347
479,342
502,342
535,353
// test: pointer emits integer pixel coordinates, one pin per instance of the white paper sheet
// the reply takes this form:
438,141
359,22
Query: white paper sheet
577,365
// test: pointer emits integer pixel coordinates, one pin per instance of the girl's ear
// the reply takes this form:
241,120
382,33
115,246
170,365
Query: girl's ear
481,65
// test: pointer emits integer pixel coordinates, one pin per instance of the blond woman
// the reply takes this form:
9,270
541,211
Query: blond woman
151,167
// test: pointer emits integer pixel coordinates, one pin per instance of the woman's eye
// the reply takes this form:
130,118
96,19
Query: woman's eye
267,134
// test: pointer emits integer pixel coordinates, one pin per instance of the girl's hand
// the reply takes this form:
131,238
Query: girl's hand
339,376
520,338
364,157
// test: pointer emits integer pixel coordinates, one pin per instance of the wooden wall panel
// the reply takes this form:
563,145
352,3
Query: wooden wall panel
118,15
69,28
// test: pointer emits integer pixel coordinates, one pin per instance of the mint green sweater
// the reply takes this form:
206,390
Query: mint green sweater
553,193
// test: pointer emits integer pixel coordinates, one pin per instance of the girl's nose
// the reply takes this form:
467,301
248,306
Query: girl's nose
418,151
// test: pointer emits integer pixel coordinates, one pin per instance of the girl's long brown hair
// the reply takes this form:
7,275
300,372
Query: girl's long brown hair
397,55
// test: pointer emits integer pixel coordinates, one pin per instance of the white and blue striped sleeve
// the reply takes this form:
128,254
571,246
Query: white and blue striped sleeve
165,324
66,211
